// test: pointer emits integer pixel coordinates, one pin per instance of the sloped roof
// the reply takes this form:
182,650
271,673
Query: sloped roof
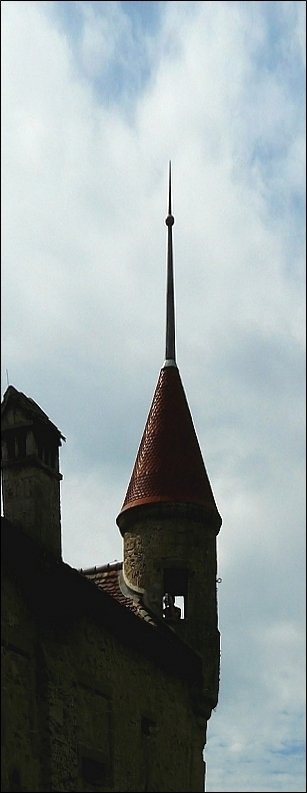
30,408
107,578
169,466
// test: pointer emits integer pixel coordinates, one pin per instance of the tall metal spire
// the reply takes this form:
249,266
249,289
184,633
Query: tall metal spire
170,355
169,468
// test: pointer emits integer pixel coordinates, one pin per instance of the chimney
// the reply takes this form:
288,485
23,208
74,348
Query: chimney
30,470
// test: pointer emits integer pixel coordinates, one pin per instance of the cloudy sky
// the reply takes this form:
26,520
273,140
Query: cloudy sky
97,97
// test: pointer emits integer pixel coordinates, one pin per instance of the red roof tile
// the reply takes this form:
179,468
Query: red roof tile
169,466
107,578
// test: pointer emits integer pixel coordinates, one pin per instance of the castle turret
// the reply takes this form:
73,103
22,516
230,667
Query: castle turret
169,519
30,469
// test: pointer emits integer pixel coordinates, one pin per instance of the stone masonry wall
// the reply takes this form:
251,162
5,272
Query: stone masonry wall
20,741
179,540
84,712
31,498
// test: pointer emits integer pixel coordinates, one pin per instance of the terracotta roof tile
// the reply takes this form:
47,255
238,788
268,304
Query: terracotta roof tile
107,578
169,466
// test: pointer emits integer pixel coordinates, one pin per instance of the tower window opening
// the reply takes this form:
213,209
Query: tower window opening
11,448
22,444
148,727
175,594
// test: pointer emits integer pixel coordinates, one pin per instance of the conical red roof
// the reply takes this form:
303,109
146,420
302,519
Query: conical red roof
169,466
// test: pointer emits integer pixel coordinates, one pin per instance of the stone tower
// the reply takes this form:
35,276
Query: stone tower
169,519
30,469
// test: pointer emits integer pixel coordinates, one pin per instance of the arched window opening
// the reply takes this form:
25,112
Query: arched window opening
175,591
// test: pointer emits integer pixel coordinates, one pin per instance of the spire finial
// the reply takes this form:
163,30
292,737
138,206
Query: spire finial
170,188
170,357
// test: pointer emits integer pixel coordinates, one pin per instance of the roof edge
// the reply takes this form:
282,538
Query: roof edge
198,511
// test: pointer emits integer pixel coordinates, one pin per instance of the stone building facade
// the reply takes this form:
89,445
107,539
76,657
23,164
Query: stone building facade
109,675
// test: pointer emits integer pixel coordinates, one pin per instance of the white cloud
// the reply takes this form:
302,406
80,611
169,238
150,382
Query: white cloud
95,103
92,536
